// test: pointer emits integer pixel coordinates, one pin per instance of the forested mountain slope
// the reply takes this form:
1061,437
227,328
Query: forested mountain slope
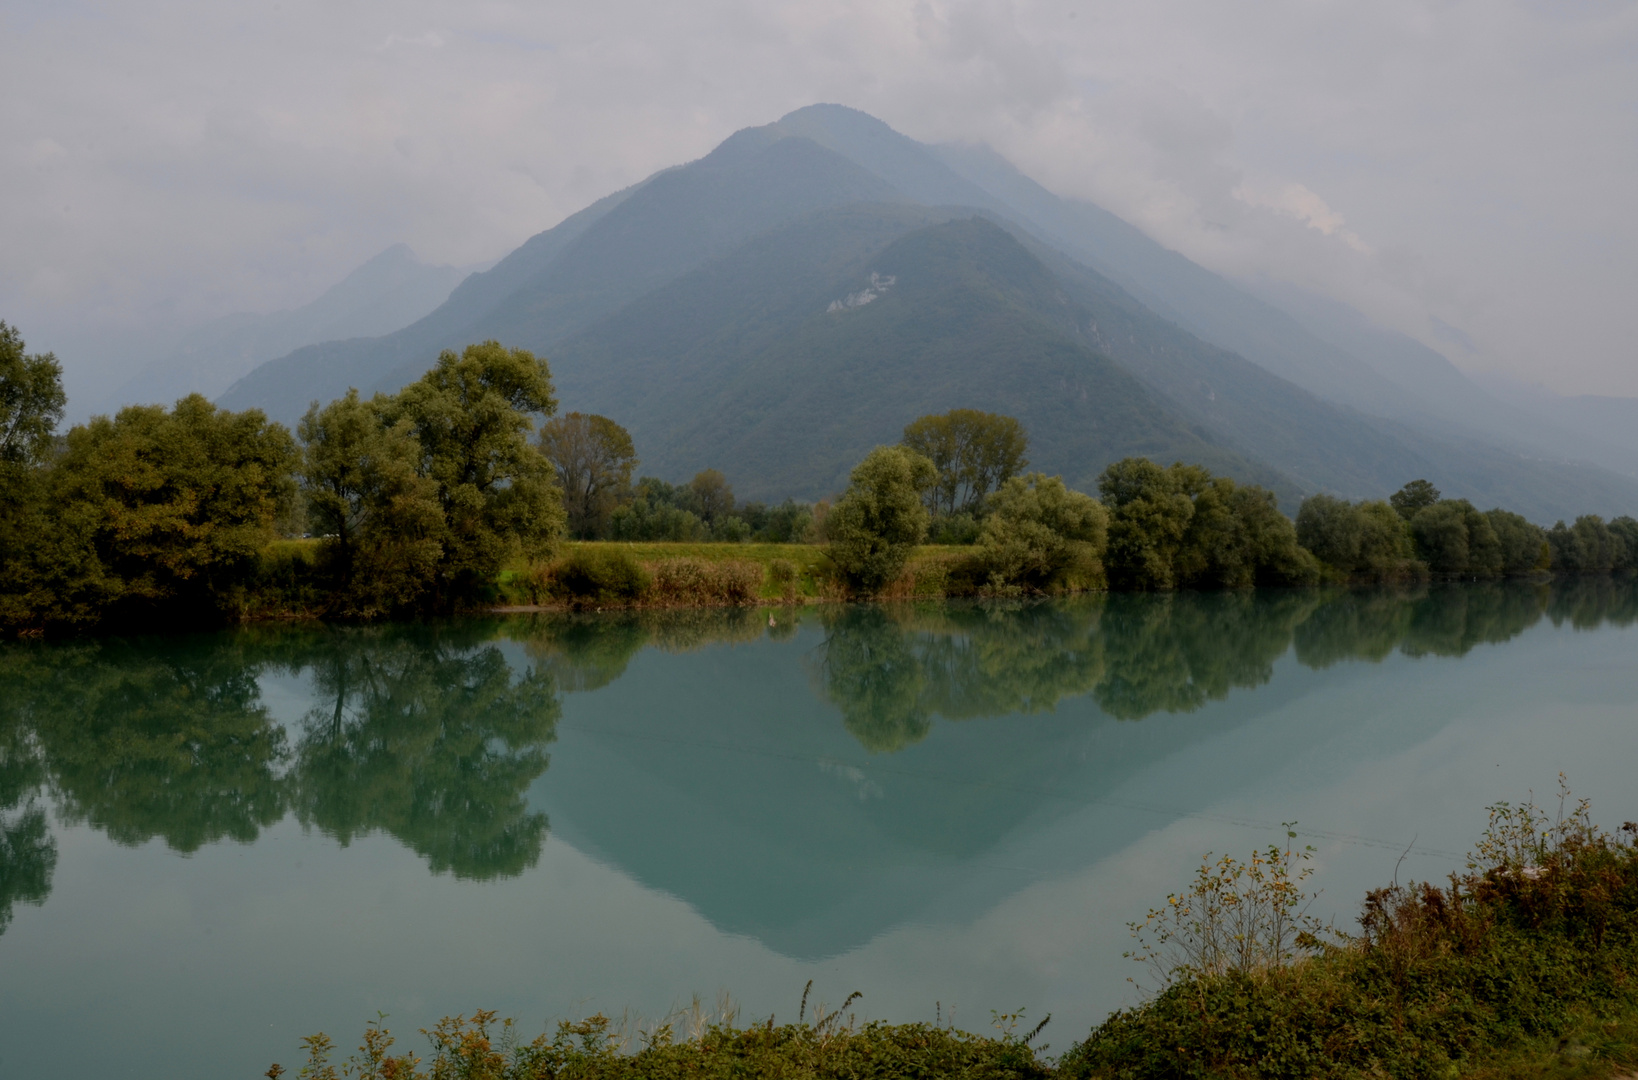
784,362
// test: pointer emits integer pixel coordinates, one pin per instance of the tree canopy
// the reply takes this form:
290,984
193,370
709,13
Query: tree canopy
973,452
594,458
881,517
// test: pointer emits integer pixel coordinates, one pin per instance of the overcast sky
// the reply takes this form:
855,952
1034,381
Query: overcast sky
1465,169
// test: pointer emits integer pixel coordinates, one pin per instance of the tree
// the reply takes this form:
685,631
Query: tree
973,452
31,404
1038,529
1413,498
31,400
1587,547
1148,517
1454,538
380,520
471,415
711,497
874,526
1365,537
1523,544
594,458
171,509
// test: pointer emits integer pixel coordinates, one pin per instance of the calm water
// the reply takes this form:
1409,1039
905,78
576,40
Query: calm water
213,845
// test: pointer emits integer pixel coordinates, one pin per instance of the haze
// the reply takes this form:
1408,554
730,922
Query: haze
1462,172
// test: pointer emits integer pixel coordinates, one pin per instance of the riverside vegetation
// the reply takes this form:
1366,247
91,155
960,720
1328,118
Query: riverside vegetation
1523,966
466,490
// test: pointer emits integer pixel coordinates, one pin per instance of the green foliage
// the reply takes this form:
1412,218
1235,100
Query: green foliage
1523,545
1357,540
471,416
1181,527
594,457
608,575
381,521
1536,943
1453,538
1589,546
876,523
1038,530
974,452
31,400
167,511
1413,498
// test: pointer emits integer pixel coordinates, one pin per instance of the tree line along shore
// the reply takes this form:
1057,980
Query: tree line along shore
467,489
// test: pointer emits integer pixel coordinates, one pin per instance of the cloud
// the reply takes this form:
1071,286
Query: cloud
1470,160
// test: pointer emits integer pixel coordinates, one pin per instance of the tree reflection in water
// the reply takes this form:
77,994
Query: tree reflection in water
429,735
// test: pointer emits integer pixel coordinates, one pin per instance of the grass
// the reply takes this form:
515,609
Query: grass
812,576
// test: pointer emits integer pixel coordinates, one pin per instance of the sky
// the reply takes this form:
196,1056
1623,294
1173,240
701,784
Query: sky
1461,171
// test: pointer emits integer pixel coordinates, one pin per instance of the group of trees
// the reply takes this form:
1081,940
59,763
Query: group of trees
1155,528
1417,531
420,497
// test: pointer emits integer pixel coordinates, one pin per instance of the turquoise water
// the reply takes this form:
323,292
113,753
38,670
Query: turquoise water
215,844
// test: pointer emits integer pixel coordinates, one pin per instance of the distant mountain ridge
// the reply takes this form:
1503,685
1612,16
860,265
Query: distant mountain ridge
383,294
695,308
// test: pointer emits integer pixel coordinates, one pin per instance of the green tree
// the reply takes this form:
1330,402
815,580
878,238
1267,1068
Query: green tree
880,519
1523,544
380,520
1354,538
471,415
1454,538
594,458
1413,498
711,497
1625,529
973,452
1586,547
31,400
1148,517
31,404
1038,530
171,508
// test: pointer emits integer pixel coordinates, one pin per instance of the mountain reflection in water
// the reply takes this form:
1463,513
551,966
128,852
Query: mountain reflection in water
432,735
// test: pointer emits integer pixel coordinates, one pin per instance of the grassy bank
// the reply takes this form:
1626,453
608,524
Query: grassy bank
1526,966
616,574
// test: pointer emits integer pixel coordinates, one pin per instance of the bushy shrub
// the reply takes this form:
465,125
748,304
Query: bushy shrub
696,581
783,574
609,575
1039,531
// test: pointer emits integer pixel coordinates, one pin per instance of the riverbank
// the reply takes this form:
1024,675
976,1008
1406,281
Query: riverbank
1525,966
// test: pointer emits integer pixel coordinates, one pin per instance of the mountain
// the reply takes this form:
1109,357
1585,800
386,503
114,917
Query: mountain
785,359
800,293
586,267
380,296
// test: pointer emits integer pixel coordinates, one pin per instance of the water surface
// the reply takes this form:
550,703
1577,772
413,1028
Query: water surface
211,845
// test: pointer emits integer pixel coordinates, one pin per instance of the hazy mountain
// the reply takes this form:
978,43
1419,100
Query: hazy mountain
784,361
565,278
385,293
796,296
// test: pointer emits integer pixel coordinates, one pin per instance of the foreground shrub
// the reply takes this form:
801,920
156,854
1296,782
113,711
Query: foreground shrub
874,526
1539,936
1039,531
698,582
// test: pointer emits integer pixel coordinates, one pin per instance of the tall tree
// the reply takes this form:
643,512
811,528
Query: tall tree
31,399
594,458
973,452
711,496
380,520
472,416
1413,498
874,526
